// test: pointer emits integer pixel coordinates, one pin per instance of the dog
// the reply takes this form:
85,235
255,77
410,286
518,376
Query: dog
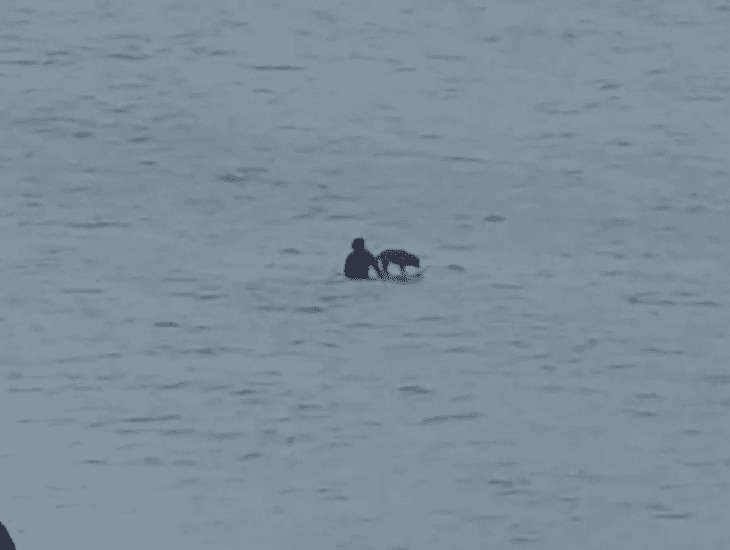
401,258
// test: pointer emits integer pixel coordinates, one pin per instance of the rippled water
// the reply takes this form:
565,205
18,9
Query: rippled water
183,364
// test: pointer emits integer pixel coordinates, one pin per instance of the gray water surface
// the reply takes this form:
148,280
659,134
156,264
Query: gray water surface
182,364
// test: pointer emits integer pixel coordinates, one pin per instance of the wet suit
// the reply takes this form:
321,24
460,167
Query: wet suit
359,261
6,543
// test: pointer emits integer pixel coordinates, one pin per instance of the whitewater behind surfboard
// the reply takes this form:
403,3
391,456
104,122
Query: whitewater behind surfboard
406,278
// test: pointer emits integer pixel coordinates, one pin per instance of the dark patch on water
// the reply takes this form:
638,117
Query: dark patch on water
237,24
415,390
450,417
460,349
81,291
311,213
463,159
650,395
173,387
88,358
718,379
620,366
588,344
674,515
208,350
129,56
430,318
214,52
232,178
446,57
523,540
243,175
456,267
179,279
642,413
661,351
19,62
273,308
249,457
274,373
177,433
305,407
150,419
503,483
621,143
649,299
225,436
278,68
362,325
127,431
552,108
697,209
336,217
705,98
609,86
209,296
99,225
82,135
329,196
166,324
293,251
309,309
495,218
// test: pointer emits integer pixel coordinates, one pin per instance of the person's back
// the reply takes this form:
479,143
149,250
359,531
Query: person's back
359,261
6,543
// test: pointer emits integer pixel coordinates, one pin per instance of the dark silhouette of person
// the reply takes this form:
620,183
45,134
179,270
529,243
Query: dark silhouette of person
6,543
359,261
399,257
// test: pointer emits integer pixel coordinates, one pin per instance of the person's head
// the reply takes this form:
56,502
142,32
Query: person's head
358,244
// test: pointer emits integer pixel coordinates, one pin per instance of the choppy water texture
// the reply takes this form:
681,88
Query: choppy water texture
183,365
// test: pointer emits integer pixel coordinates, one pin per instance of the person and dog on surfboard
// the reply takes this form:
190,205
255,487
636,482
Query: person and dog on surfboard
360,260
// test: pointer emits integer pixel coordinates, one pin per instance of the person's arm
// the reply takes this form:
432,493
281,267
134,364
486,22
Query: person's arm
374,263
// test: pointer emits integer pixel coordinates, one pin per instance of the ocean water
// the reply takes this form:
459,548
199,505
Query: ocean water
183,365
